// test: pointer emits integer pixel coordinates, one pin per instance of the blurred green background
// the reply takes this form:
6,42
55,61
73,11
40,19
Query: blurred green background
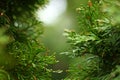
57,16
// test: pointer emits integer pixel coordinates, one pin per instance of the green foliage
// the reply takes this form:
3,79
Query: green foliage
30,63
4,75
96,46
22,55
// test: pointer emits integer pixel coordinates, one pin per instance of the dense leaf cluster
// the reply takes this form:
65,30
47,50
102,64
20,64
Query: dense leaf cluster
22,55
96,48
